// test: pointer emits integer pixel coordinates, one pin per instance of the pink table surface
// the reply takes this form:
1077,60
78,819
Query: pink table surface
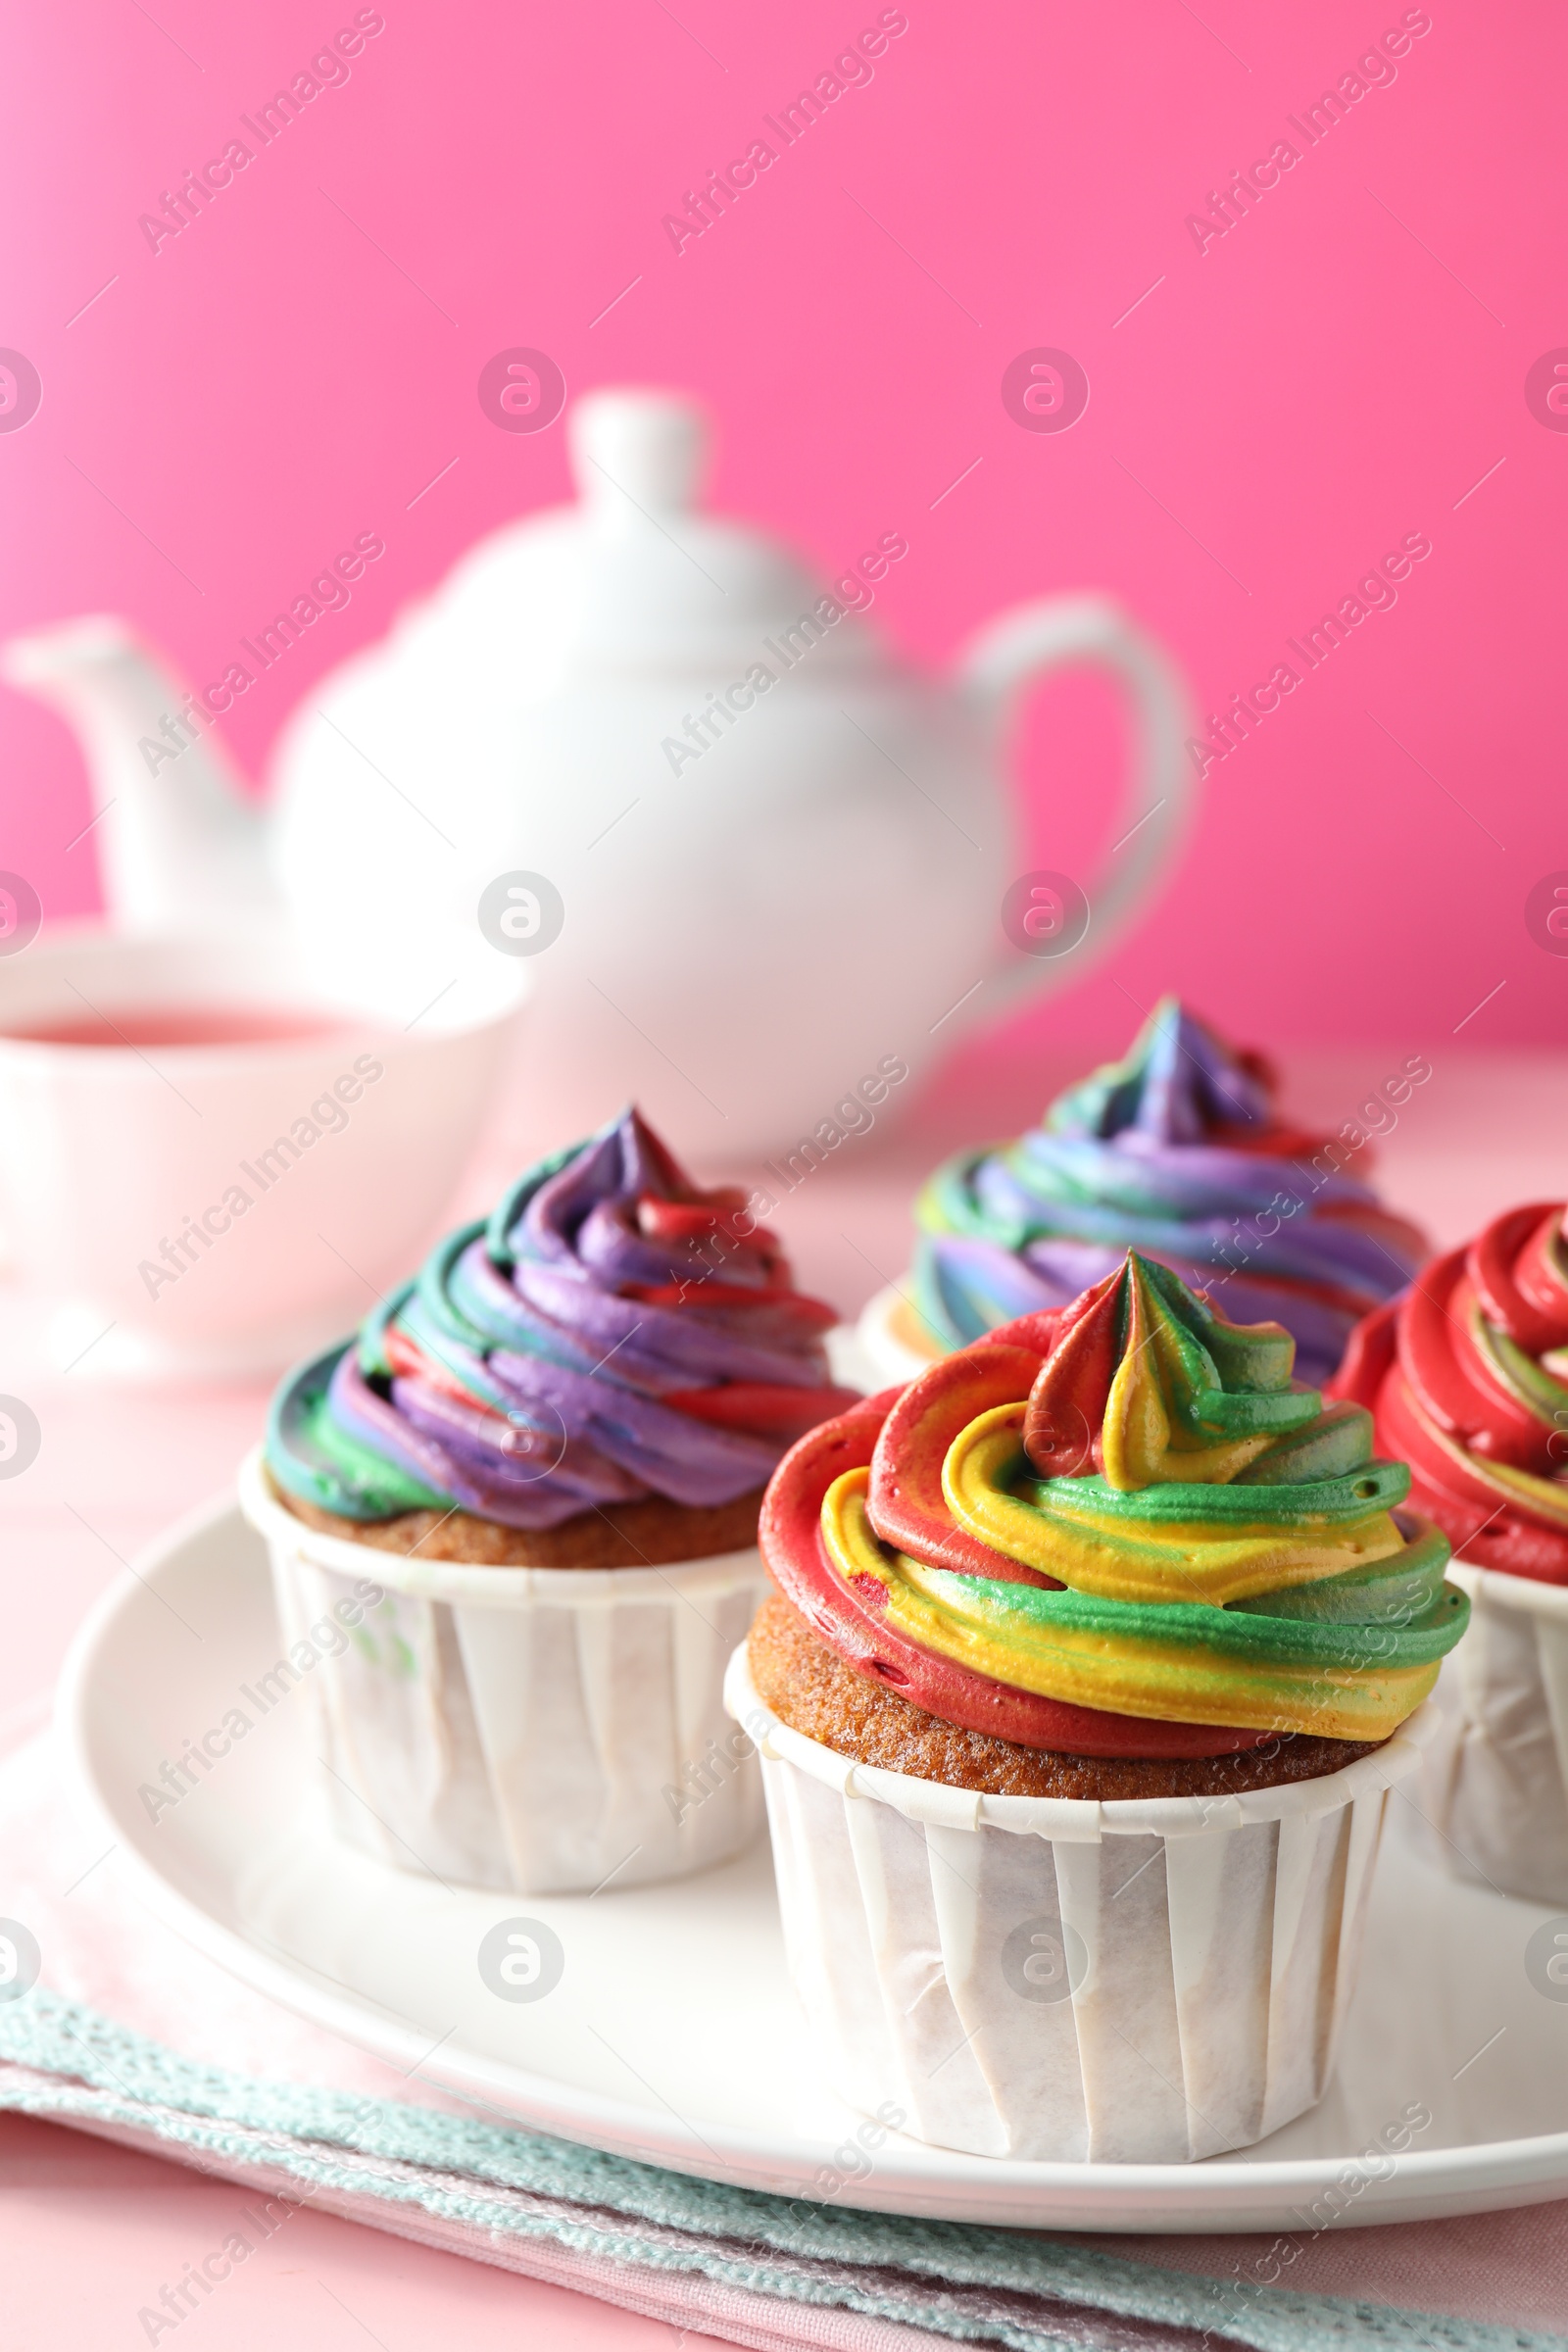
88,2231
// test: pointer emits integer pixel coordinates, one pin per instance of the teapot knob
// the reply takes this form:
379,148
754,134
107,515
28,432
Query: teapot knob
646,448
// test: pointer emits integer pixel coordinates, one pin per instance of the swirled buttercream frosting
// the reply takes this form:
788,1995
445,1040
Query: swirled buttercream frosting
1121,1530
1176,1151
609,1333
1467,1376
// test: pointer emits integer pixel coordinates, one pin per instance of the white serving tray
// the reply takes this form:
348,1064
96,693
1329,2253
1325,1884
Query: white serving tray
673,2035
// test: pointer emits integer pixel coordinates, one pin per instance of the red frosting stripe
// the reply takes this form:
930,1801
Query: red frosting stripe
1444,1403
905,1492
749,1404
1067,1402
1511,1265
1449,1383
849,1621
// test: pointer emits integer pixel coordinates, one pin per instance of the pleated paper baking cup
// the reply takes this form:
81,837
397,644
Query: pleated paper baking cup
543,1729
885,1347
1495,1778
1128,1983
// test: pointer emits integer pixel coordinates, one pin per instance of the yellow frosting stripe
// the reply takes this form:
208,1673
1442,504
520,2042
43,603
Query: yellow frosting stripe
1142,1443
1177,1663
1135,1430
1165,1525
853,1544
1146,1560
1178,1681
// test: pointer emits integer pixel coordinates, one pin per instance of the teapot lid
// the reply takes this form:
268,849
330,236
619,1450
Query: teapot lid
634,576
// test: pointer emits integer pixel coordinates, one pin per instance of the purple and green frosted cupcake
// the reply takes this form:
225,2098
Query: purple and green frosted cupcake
552,1447
1179,1151
605,1372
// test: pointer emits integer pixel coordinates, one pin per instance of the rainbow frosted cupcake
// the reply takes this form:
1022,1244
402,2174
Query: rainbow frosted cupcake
1088,1671
1176,1151
1467,1376
548,1454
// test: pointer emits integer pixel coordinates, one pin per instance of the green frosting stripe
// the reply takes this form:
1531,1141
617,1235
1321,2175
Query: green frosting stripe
320,1463
1331,1502
1236,1635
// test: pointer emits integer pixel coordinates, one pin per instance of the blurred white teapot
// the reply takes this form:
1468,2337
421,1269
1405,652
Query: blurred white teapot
770,855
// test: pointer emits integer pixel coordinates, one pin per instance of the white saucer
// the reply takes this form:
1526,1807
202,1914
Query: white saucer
671,2034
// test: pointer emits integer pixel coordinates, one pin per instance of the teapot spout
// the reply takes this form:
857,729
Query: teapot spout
180,846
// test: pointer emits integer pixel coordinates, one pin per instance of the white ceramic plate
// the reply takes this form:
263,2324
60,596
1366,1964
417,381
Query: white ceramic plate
673,2035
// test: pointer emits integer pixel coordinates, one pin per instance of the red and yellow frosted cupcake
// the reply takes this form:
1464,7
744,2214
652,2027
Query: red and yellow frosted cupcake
1078,1701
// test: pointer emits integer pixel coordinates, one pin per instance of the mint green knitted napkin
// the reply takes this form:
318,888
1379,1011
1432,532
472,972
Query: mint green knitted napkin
633,2228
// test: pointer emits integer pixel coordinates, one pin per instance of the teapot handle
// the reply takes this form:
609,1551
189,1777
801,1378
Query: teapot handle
1015,651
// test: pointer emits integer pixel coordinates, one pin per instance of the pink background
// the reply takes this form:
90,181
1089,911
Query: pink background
1277,411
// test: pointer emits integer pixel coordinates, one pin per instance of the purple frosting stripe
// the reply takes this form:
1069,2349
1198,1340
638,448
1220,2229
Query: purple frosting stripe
681,1350
564,1374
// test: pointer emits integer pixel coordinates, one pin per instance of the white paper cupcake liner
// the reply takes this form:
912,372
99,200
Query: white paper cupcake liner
1494,1790
886,1356
1130,1981
543,1729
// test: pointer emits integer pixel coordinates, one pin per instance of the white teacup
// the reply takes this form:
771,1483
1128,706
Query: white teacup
227,1202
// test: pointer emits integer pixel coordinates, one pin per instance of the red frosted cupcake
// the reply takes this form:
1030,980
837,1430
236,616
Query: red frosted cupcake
1467,1376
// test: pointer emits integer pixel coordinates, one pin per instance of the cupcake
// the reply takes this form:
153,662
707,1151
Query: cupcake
1176,1151
1467,1376
545,1458
1087,1674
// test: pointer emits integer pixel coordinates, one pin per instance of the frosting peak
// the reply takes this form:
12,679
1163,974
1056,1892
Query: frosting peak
610,1332
1178,1083
1176,1151
1149,1383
